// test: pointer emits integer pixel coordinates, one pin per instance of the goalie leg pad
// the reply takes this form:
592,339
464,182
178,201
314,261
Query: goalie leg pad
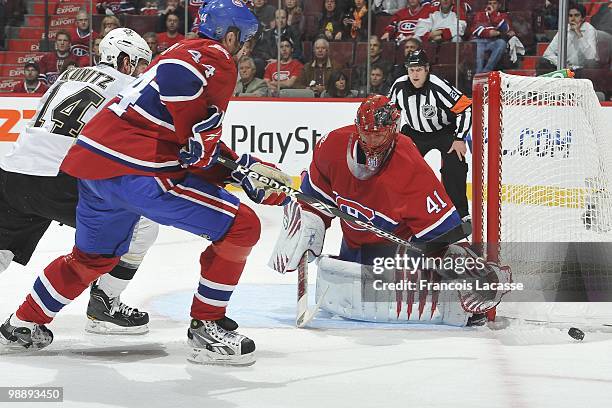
350,293
302,232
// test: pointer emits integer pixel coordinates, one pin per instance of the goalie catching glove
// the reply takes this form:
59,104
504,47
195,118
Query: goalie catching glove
203,146
258,191
303,232
479,273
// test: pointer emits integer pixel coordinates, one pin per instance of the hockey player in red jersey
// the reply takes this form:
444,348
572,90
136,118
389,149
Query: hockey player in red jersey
368,171
136,158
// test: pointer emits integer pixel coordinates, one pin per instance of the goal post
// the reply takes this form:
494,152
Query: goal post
542,180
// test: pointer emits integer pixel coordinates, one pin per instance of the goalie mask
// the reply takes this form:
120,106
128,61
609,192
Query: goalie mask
376,124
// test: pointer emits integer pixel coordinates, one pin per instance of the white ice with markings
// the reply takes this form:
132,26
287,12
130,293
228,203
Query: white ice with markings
336,363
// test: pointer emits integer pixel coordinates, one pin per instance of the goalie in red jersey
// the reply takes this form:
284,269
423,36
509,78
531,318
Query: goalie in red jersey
373,173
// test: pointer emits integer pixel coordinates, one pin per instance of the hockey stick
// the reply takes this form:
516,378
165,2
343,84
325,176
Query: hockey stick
304,314
451,236
302,291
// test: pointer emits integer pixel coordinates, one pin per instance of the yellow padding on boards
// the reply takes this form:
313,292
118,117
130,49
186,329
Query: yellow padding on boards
519,194
546,196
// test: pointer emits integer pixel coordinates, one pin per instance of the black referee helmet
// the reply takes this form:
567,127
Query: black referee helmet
416,58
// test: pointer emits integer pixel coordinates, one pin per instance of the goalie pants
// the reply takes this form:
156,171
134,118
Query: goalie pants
106,214
453,171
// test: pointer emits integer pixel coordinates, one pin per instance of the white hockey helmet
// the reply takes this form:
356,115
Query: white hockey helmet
127,41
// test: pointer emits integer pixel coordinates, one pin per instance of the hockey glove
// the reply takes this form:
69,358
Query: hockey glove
256,190
303,232
203,146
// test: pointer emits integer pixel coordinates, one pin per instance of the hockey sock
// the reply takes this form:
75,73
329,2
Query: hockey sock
115,282
222,264
61,282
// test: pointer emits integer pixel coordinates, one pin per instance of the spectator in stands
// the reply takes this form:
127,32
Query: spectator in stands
172,6
31,83
441,25
95,50
81,35
266,48
68,65
388,7
171,36
490,29
316,72
2,23
378,83
51,64
290,69
410,45
15,11
338,87
356,21
360,70
295,15
192,13
149,8
550,15
109,23
581,44
110,7
330,24
404,22
602,19
264,13
11,15
248,84
343,6
151,39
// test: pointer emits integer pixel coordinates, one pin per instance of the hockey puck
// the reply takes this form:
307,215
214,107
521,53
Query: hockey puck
576,333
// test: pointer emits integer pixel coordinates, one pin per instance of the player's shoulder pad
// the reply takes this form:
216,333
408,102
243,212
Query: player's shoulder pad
331,145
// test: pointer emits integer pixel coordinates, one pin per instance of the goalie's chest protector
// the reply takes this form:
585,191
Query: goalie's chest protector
405,197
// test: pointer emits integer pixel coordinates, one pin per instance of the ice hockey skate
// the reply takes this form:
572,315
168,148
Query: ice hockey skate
112,316
216,343
17,335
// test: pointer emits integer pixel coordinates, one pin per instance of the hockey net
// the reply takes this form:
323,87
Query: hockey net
541,174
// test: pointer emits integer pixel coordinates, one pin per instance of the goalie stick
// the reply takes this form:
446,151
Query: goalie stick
304,315
454,235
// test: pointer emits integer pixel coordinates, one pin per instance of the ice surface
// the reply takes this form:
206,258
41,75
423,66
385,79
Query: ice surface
336,363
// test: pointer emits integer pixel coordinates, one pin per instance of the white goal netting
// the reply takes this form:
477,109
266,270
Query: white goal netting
554,172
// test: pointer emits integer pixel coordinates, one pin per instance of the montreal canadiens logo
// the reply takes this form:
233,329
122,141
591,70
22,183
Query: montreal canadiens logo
428,111
406,26
80,50
356,210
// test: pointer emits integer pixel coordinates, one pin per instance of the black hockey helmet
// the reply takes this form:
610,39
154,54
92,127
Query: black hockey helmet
416,58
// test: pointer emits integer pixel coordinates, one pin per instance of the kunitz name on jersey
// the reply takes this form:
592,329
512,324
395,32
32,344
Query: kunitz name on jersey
90,75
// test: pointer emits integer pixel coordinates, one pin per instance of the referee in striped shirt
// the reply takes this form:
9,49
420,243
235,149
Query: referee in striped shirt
436,115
